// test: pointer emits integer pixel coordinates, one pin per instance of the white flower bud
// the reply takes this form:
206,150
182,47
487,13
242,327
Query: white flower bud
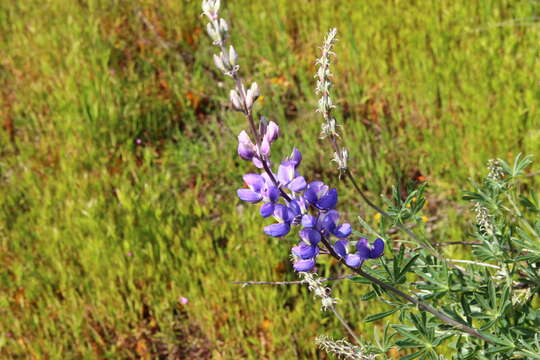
223,28
214,35
233,56
252,95
219,63
236,101
211,8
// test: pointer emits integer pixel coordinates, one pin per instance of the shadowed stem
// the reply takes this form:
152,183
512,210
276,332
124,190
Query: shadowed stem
421,305
345,325
295,282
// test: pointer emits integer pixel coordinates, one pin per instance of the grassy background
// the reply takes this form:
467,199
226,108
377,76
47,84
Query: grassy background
101,236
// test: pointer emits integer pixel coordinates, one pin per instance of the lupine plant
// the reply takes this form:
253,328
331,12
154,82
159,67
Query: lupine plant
484,307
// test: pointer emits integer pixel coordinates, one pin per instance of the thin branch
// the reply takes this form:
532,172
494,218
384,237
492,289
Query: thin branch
345,325
448,243
296,282
475,263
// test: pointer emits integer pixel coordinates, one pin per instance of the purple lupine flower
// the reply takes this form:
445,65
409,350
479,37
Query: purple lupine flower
259,190
296,157
304,265
367,251
284,216
329,223
270,196
289,178
256,184
320,196
353,260
307,250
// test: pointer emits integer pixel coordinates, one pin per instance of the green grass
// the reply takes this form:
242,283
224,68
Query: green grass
437,87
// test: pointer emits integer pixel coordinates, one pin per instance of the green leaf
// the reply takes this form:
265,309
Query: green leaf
380,315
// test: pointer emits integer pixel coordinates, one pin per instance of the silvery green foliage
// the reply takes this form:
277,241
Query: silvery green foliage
343,349
482,307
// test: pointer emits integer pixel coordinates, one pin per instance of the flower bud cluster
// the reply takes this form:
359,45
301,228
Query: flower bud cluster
318,290
483,219
323,75
495,170
343,349
218,30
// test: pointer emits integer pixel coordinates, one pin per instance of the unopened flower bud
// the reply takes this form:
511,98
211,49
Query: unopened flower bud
223,28
219,63
252,95
265,147
214,35
211,8
233,56
236,101
272,132
246,149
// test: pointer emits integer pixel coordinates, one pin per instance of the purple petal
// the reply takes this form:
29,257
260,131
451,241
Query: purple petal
362,248
341,247
329,200
304,265
286,172
265,147
330,219
249,195
308,221
310,195
343,230
244,138
353,260
267,209
258,163
282,213
378,249
305,251
254,181
277,230
296,157
298,184
272,193
295,208
272,132
310,236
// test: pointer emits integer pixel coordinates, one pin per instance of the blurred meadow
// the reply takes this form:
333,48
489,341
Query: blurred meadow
118,163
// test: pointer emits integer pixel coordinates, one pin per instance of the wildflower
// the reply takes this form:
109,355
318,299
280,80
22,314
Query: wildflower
364,251
367,251
183,300
329,224
353,260
320,196
284,216
289,178
259,189
307,250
